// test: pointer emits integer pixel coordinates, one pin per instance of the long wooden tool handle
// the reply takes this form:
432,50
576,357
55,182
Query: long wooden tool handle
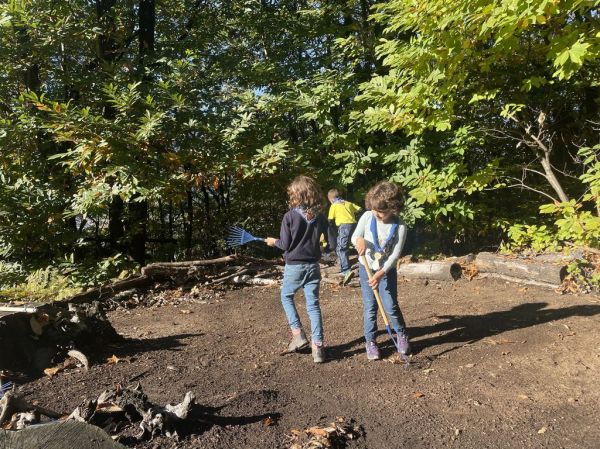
375,291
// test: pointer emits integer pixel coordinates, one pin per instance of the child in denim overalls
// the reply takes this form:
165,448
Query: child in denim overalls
301,229
379,236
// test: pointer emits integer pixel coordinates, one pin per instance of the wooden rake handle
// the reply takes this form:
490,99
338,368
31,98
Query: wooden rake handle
375,291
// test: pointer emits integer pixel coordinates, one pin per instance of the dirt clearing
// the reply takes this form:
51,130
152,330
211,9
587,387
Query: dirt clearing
495,365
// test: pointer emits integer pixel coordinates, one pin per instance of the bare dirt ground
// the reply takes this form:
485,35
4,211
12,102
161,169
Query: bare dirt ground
495,365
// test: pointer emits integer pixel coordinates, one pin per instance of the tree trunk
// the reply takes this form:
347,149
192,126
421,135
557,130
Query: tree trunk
551,177
138,210
106,54
138,218
189,223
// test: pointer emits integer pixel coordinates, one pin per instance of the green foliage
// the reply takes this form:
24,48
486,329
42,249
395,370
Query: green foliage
94,272
112,138
534,238
576,222
585,274
40,285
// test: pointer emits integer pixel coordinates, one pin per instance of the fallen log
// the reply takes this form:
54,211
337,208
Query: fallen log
194,263
110,289
168,270
516,280
16,309
548,273
432,270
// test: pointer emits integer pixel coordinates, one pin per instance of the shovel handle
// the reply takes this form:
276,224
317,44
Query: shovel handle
375,292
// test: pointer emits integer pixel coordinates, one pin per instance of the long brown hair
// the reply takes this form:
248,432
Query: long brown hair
305,193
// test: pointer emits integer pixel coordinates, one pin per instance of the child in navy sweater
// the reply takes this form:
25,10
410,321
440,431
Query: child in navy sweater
301,229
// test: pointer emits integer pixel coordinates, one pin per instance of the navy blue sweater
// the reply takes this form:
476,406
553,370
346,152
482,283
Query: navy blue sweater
299,238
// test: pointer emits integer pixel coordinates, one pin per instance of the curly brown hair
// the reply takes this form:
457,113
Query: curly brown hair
304,192
384,196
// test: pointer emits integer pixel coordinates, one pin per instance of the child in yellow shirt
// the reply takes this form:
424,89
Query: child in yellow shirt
342,213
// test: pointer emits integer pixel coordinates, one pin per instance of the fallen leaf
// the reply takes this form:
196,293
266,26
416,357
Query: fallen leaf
543,430
317,431
268,421
51,372
418,394
113,360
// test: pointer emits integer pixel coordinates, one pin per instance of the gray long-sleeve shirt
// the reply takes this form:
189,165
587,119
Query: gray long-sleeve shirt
363,229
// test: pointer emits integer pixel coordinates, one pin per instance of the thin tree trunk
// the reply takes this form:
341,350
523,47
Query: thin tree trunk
189,223
106,53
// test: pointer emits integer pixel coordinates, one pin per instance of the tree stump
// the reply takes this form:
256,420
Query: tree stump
59,435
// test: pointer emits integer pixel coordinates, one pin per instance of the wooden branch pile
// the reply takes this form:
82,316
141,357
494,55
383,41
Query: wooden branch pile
241,270
118,411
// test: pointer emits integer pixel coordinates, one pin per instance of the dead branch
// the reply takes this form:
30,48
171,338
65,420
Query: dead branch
166,420
109,290
11,403
80,356
222,279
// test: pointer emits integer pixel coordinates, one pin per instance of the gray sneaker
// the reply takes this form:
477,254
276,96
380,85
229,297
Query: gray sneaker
318,352
348,277
299,341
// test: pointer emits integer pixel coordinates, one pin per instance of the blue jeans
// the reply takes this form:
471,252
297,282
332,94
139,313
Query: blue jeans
343,241
308,277
388,290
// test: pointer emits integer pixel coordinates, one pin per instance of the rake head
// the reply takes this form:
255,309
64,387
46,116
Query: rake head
237,236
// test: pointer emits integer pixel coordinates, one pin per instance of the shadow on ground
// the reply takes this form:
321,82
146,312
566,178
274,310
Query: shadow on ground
466,329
